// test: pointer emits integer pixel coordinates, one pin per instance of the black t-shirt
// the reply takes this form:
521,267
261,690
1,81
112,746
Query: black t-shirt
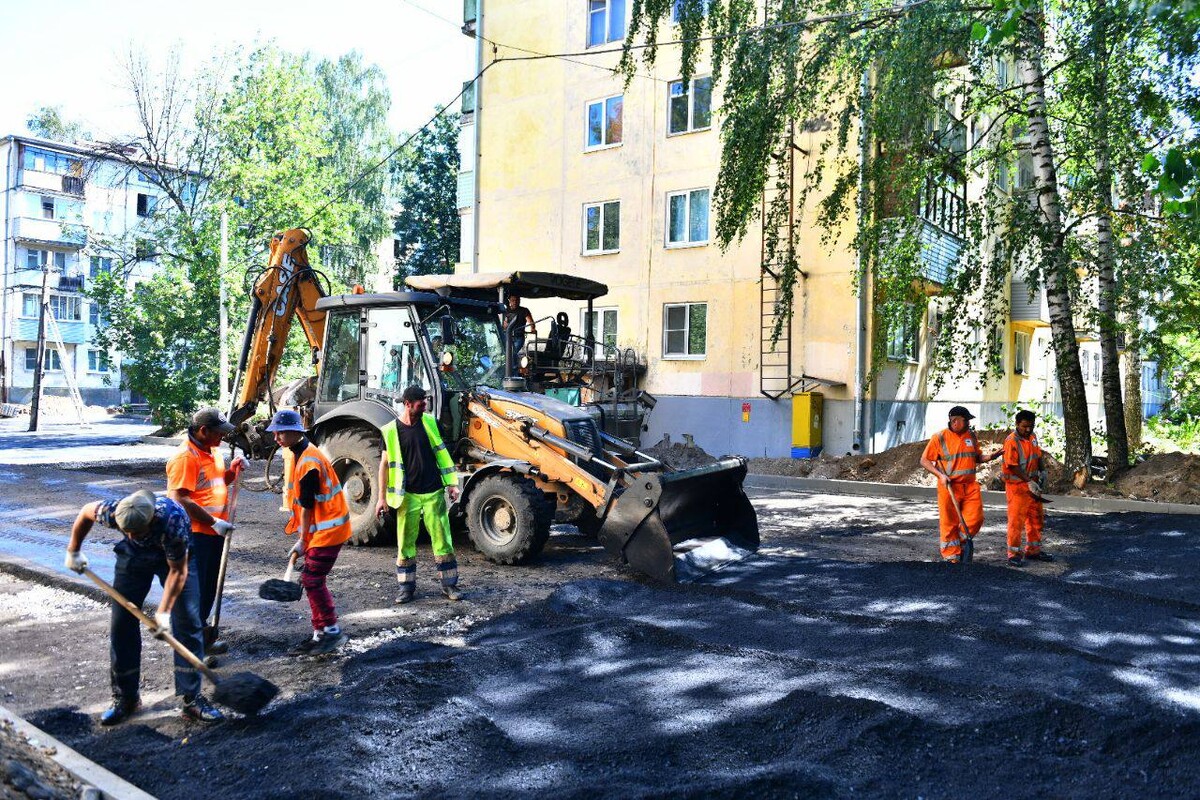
311,481
421,474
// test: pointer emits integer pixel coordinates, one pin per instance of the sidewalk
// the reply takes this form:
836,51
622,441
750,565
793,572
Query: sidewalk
69,443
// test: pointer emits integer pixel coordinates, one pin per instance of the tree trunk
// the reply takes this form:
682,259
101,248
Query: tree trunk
1133,388
1114,411
1056,266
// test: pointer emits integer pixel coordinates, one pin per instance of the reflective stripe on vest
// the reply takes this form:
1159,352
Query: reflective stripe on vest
394,492
210,492
959,456
1023,459
330,513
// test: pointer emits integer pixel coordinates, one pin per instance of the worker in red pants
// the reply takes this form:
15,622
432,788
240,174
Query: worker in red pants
1024,474
953,455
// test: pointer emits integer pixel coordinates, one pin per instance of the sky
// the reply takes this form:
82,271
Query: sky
68,52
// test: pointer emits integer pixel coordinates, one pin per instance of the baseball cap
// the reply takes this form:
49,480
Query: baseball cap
961,411
212,419
135,512
286,420
412,394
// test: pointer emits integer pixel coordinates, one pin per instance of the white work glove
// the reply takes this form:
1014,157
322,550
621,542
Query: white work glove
238,464
453,492
1035,487
76,561
298,548
163,620
222,527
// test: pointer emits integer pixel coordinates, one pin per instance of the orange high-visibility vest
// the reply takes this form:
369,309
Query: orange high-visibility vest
210,492
1029,457
959,455
331,514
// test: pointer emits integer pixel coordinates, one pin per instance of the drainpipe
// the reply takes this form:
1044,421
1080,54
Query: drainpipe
860,443
5,263
478,138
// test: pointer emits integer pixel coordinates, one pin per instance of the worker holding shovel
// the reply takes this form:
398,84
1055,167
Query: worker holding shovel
952,456
1024,475
197,479
157,543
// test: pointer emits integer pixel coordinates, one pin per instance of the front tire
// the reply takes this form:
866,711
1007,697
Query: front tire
508,519
354,453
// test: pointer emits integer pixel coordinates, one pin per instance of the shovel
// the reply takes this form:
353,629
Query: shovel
244,692
968,542
214,622
283,590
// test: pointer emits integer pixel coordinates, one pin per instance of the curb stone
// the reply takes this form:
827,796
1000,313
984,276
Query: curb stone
84,770
1094,505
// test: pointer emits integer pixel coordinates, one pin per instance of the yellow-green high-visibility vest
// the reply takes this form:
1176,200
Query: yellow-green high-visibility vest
391,441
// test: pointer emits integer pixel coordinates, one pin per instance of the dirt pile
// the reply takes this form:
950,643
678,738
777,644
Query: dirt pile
679,456
1164,478
27,771
53,406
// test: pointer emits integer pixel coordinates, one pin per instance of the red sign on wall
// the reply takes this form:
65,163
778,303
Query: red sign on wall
745,412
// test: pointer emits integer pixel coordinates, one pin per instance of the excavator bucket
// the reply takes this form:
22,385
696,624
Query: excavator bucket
677,526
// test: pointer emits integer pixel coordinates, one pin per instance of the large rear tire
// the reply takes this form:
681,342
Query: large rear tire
354,453
508,519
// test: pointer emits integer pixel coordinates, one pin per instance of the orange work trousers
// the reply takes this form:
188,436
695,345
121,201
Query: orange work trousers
970,502
1024,514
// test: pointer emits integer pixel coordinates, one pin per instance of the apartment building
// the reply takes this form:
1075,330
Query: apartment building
65,211
565,168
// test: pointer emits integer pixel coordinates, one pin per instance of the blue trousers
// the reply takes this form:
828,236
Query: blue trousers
133,576
206,554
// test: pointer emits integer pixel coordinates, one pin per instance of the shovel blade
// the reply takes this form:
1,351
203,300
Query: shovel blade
681,525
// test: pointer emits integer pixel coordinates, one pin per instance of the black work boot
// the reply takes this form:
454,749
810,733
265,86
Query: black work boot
1039,556
448,571
121,710
451,592
407,592
328,642
214,646
199,709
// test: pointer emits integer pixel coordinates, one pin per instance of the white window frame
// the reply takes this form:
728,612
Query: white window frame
1021,348
707,4
50,358
904,344
601,206
691,106
687,332
607,23
687,206
588,147
597,327
102,359
1097,369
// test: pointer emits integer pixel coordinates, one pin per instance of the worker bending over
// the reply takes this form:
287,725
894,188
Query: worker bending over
321,519
156,545
414,469
953,456
198,481
1024,475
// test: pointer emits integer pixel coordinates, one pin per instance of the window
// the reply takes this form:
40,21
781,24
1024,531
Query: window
38,259
339,370
66,307
677,9
904,337
51,362
604,122
689,110
602,228
94,314
602,324
47,208
394,359
687,218
99,265
1096,367
685,327
40,160
1020,353
1083,366
606,21
98,361
145,205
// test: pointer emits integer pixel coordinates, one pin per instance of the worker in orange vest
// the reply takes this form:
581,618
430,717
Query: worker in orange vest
321,520
197,480
1024,473
953,456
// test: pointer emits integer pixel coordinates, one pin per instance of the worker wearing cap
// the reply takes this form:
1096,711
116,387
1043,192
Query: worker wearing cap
518,322
197,480
416,472
320,517
1024,472
952,456
155,545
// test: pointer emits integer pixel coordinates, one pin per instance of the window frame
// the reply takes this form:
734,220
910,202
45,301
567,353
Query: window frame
909,352
691,106
687,331
608,23
601,204
102,359
681,245
50,357
707,5
588,147
1021,352
599,313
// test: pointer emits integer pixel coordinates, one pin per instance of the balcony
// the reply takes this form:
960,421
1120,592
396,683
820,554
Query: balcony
943,216
1029,305
73,331
50,232
939,253
72,185
70,283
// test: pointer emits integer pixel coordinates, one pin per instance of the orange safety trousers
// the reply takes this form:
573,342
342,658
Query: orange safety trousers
1024,513
970,502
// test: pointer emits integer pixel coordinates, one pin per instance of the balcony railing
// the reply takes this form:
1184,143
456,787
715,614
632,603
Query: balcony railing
939,253
70,283
72,185
944,207
50,231
73,331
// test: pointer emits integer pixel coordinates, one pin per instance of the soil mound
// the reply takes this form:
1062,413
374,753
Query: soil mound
1163,477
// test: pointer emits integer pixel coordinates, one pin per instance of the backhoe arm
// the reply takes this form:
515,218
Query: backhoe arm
287,288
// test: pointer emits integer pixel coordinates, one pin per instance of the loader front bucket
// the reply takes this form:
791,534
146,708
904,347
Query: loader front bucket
677,526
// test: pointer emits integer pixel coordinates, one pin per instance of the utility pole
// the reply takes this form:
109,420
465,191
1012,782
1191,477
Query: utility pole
41,350
223,316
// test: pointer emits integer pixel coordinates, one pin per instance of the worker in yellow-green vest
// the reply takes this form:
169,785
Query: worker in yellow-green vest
414,469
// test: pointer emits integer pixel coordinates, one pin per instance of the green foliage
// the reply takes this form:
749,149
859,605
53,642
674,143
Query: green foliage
1181,431
427,223
49,123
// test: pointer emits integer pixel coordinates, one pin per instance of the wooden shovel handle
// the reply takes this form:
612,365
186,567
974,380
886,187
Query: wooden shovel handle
287,576
166,636
230,512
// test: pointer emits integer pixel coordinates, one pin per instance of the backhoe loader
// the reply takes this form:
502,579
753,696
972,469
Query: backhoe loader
521,455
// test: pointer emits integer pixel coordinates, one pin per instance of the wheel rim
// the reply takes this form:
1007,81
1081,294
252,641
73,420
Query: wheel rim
498,521
356,484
